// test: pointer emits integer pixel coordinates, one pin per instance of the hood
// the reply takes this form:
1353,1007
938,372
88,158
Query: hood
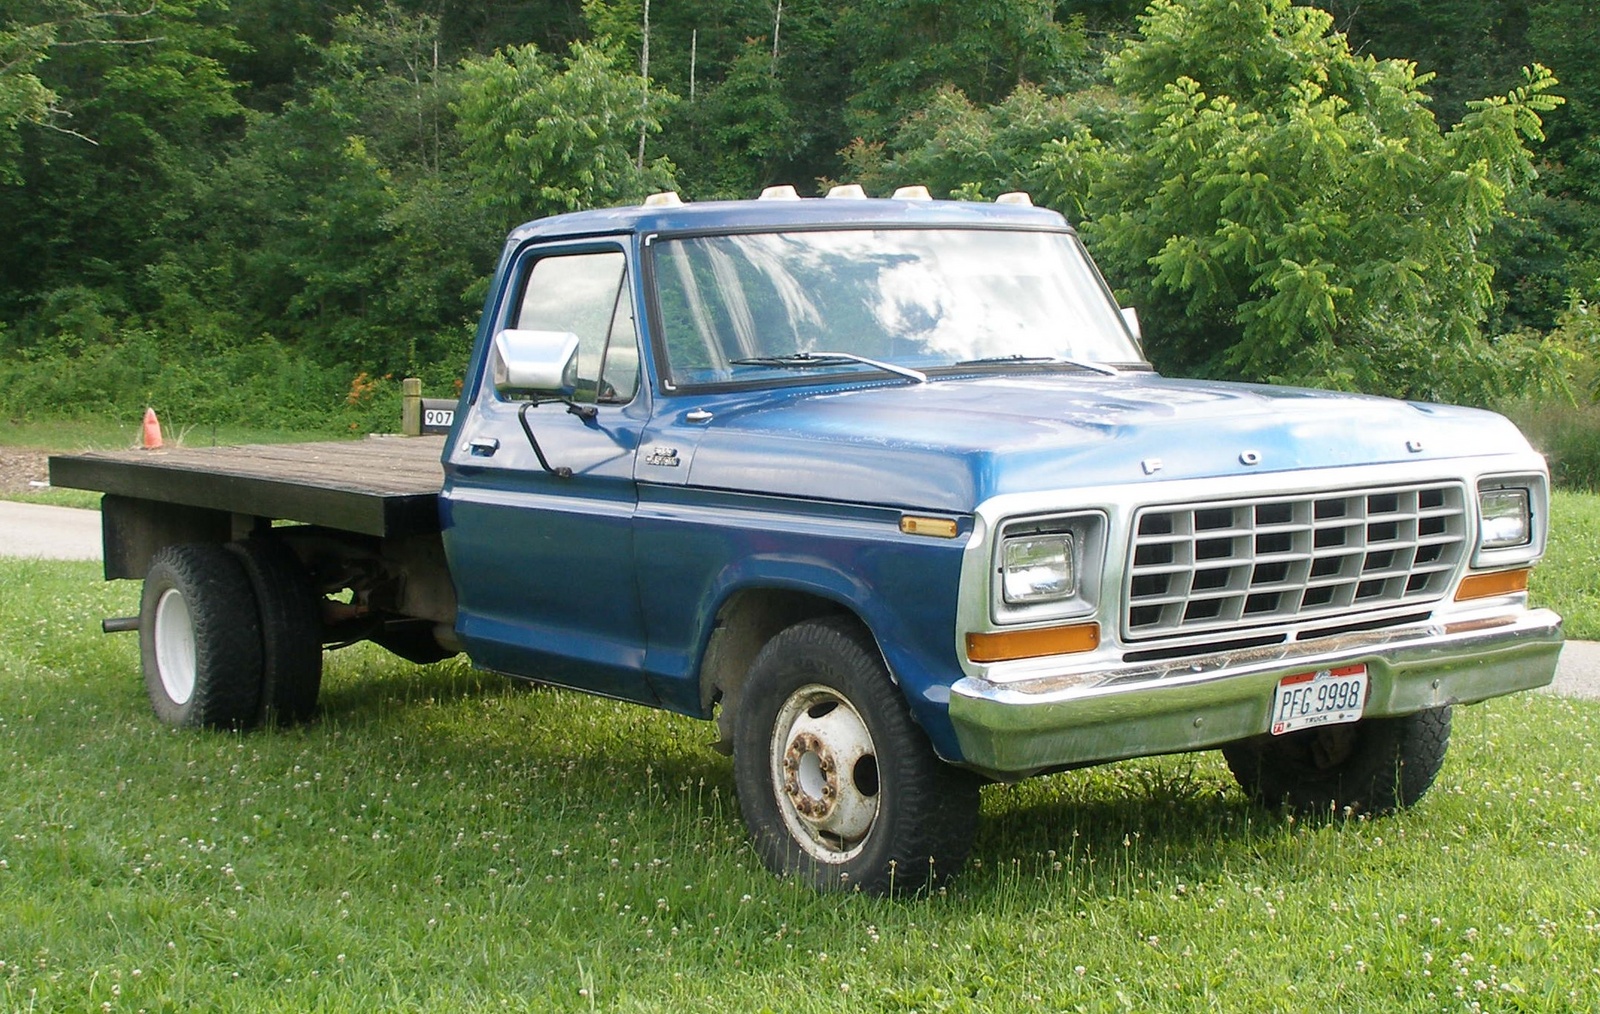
949,445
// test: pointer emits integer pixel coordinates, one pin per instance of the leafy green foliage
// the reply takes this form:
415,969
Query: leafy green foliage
745,129
542,138
1287,210
955,147
336,175
258,384
23,97
105,192
904,49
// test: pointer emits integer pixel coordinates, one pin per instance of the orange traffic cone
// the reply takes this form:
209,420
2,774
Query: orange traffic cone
152,430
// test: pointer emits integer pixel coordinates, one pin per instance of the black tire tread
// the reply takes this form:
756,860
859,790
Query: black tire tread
930,828
227,636
1392,767
291,630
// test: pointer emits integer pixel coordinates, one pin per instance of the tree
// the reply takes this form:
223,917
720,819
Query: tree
903,50
1284,209
92,198
23,97
345,223
955,147
543,137
745,128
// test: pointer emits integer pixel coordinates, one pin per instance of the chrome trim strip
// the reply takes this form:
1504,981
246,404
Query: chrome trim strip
1071,718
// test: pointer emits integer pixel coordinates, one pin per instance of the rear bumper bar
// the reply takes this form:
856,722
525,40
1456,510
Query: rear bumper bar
1015,729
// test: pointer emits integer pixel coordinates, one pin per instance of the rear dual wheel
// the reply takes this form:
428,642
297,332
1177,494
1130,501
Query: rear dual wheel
229,636
200,638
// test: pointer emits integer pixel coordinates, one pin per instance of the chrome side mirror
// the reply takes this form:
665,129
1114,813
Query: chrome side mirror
536,363
1130,317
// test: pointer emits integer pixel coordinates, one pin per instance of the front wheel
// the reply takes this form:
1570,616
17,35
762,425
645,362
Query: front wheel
838,784
1372,766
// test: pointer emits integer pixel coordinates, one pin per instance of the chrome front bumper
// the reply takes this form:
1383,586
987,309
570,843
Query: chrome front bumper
1016,729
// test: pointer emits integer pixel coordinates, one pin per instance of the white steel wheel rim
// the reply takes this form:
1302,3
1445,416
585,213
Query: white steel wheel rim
174,637
825,774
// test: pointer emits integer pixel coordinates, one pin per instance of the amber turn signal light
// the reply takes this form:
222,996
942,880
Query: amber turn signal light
939,528
1006,645
1500,582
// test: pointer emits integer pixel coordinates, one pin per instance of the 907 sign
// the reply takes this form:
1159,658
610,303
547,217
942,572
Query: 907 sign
438,415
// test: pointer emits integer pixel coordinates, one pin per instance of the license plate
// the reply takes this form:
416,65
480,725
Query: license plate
1324,697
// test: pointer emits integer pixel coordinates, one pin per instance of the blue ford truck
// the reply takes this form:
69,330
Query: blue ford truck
887,490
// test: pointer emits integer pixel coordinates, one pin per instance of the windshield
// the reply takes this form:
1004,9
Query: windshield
751,307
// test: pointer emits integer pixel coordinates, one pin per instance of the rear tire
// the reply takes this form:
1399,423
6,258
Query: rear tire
200,638
838,785
1373,766
291,630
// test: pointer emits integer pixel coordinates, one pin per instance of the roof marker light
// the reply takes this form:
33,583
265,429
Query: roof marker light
1017,197
779,193
849,191
665,199
916,193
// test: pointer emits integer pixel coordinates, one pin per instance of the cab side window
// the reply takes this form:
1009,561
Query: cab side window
588,295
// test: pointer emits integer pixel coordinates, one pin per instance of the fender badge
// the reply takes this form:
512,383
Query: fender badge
1151,465
666,457
1414,446
1250,458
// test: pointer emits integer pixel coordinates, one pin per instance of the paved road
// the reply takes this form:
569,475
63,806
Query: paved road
1578,675
65,533
52,533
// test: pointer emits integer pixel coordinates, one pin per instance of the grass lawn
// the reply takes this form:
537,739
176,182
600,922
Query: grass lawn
441,840
1568,579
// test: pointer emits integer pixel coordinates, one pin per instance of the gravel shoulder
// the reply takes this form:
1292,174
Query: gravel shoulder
20,467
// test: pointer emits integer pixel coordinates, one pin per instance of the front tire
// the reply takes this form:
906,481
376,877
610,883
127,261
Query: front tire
1373,766
200,639
838,785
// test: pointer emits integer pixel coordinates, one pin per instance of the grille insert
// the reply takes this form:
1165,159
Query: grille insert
1218,565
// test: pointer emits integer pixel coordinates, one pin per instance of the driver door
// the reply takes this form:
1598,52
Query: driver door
544,564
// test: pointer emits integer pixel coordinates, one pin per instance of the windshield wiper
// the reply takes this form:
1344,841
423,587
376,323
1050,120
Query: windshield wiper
812,360
1020,360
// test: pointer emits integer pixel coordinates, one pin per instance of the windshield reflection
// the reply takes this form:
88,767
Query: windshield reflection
928,299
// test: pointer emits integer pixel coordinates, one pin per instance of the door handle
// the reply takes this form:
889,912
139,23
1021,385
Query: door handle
483,447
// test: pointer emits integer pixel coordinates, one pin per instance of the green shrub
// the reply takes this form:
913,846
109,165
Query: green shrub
1568,435
261,383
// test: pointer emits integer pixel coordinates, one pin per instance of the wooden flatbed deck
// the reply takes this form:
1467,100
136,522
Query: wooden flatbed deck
385,486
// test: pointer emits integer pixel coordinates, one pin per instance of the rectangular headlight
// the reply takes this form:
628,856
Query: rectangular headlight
1504,518
1037,568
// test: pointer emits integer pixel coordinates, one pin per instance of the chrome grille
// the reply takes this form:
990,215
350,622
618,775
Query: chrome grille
1231,564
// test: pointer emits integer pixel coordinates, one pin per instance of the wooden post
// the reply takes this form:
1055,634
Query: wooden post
411,407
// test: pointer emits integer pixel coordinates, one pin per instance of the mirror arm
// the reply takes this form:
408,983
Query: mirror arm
522,417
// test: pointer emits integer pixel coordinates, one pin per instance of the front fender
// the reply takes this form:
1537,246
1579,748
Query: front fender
697,550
